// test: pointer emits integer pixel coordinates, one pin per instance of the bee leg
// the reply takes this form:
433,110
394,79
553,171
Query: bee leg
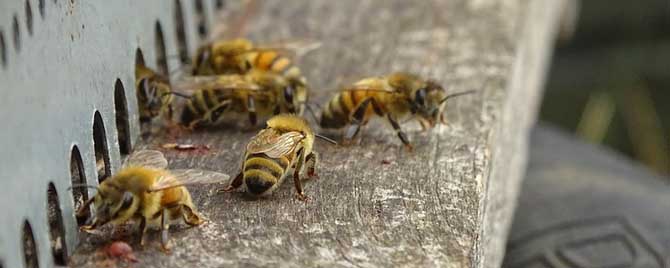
357,119
165,226
311,161
251,107
168,115
424,125
400,133
83,210
296,175
236,183
191,217
143,231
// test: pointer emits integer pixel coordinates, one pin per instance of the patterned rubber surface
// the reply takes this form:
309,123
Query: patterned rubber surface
584,206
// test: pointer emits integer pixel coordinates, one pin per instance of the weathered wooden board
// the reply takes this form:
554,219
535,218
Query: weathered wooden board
448,203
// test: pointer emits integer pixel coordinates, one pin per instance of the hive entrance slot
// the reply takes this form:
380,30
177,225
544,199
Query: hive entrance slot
41,7
29,246
3,50
56,228
122,125
219,4
161,54
201,19
79,194
139,57
17,34
29,17
181,32
101,150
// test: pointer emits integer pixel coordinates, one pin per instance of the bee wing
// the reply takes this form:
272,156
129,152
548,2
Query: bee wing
182,177
365,88
297,48
273,145
146,158
188,85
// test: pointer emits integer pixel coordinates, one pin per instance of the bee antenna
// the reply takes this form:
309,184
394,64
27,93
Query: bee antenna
177,70
311,111
326,139
184,60
81,185
179,95
457,94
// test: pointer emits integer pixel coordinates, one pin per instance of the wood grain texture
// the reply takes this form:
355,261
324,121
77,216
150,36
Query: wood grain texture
376,205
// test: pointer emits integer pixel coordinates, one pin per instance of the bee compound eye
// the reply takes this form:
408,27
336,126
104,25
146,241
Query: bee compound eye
127,200
420,96
288,94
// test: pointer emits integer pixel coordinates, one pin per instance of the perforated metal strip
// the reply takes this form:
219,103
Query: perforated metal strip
67,84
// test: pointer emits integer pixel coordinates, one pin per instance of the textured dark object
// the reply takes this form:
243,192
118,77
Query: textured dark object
585,206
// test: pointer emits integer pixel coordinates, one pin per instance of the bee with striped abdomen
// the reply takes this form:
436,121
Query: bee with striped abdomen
257,94
143,190
286,143
154,94
240,56
397,96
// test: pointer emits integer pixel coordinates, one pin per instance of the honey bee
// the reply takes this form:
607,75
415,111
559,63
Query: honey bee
240,56
143,190
257,93
285,143
397,96
154,94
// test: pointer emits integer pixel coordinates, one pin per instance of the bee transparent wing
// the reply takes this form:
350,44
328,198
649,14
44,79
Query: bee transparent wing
273,145
191,84
297,48
146,158
183,177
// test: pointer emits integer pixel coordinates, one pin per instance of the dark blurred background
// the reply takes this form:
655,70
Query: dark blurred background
610,79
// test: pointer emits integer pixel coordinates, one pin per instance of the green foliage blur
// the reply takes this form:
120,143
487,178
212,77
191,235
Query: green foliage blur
610,81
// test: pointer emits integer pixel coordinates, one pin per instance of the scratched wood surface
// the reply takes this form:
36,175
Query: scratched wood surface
447,204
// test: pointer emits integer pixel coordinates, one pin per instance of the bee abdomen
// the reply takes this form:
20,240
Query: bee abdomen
262,173
337,111
190,114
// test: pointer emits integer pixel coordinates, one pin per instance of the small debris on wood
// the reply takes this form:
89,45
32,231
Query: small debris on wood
186,147
121,250
386,162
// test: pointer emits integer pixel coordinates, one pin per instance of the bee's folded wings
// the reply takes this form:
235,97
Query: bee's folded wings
146,158
273,145
182,177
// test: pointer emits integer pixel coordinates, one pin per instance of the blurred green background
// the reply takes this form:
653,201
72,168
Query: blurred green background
610,79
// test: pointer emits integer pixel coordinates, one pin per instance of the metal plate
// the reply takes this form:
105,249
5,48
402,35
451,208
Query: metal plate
59,65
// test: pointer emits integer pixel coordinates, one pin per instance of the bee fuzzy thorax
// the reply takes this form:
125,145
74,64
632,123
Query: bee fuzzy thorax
289,122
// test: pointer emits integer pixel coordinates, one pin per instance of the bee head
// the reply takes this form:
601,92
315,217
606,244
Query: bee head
111,203
295,95
427,101
157,95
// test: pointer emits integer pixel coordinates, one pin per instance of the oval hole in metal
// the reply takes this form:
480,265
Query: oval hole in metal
29,247
201,19
29,17
56,228
161,54
122,124
101,150
181,32
17,34
77,176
